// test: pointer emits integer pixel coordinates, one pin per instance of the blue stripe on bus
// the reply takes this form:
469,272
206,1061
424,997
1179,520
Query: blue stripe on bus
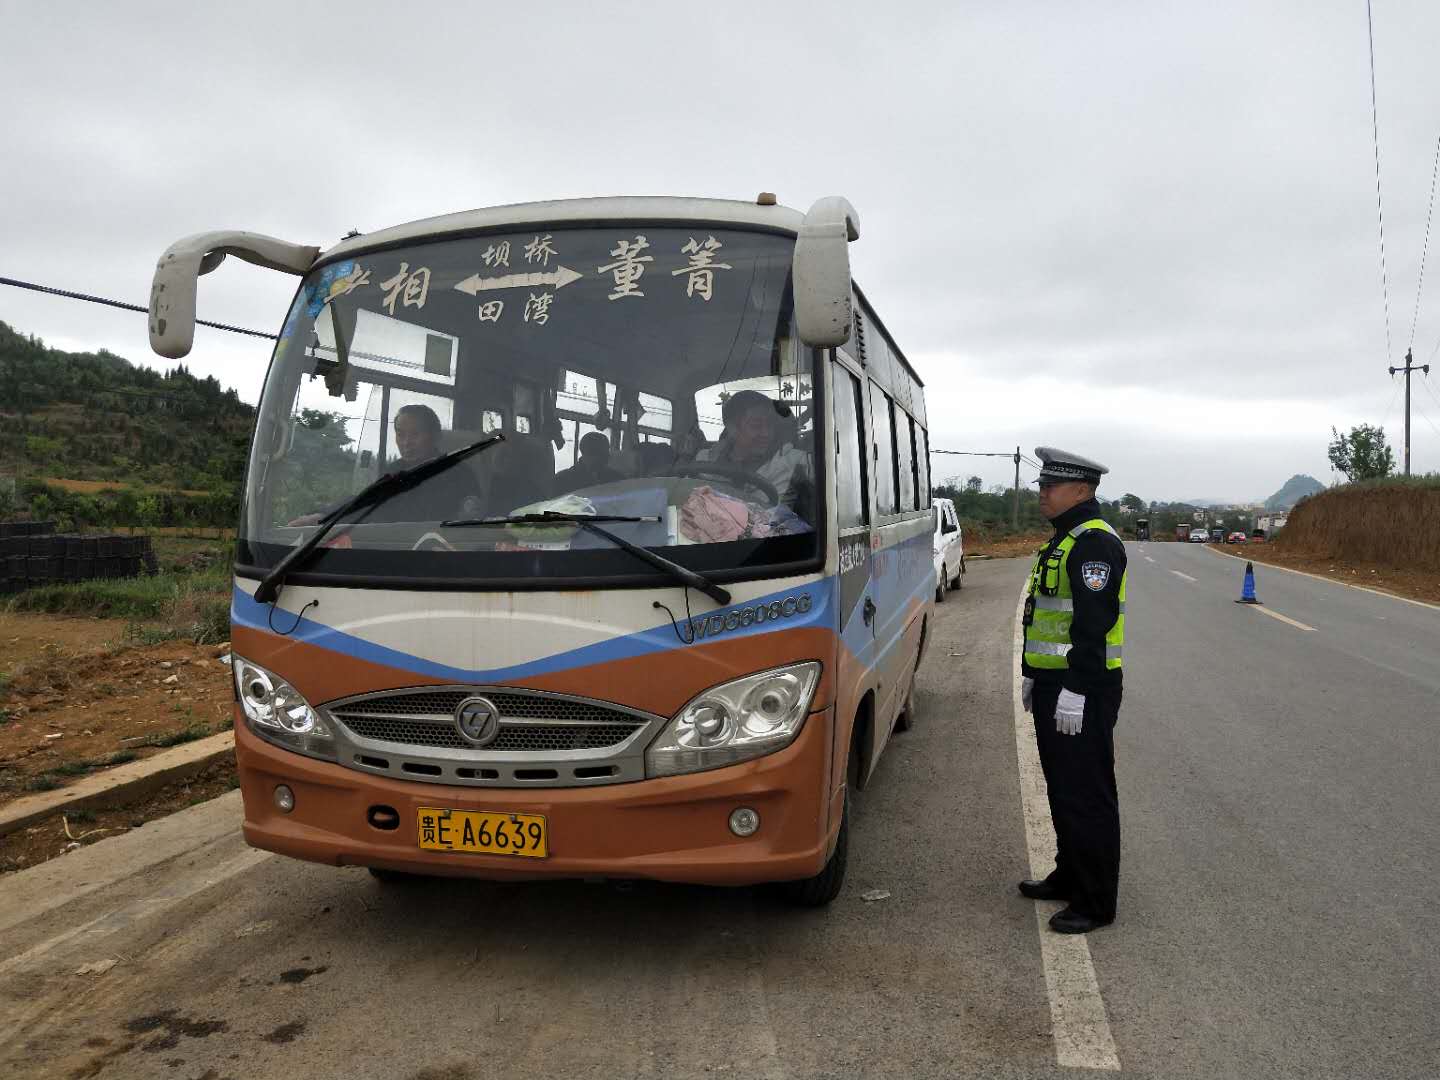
246,611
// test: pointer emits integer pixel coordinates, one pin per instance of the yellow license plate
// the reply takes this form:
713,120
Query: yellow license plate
482,832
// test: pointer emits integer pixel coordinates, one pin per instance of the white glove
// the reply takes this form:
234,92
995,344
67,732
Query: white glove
1027,694
1069,713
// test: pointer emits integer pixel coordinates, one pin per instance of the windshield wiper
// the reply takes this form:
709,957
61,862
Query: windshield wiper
371,495
682,574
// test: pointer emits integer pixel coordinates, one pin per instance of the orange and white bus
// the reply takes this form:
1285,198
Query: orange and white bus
579,539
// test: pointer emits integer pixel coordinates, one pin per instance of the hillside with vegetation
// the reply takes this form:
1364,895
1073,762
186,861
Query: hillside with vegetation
1293,490
98,417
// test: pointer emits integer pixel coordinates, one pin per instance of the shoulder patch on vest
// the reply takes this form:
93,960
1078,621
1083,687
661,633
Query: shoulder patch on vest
1096,575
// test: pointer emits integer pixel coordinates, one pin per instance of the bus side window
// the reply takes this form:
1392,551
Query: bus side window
851,507
884,451
904,460
922,465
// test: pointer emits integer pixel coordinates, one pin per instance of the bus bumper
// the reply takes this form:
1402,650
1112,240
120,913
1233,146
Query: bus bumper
666,829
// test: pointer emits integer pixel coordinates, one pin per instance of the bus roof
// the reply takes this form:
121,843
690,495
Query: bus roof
577,212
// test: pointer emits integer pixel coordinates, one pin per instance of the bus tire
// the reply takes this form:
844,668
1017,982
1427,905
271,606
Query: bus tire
906,720
825,886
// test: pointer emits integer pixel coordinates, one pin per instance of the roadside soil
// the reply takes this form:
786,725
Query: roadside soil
1402,581
62,834
75,700
977,542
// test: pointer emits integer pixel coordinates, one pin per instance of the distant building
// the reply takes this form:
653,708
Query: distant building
1271,522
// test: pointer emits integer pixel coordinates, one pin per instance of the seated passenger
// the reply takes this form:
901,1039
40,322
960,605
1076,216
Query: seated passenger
593,467
754,440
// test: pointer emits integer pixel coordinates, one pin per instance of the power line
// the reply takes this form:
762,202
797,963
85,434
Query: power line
1430,390
1425,247
122,305
1379,206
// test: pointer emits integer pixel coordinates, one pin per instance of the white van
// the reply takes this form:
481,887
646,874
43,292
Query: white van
949,549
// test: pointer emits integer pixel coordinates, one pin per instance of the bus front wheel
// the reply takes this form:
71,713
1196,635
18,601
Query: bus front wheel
825,886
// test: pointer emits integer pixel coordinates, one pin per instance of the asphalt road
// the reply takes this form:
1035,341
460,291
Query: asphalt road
1278,793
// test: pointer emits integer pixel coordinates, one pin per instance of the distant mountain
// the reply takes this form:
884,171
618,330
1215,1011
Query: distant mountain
96,416
1295,489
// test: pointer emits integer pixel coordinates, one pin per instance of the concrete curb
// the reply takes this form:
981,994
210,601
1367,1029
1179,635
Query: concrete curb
119,785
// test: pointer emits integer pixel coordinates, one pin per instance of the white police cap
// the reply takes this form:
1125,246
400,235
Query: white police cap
1061,466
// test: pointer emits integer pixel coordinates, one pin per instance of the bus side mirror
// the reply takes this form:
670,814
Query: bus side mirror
822,272
172,291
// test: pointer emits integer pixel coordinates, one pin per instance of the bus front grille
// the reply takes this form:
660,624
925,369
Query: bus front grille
414,733
535,738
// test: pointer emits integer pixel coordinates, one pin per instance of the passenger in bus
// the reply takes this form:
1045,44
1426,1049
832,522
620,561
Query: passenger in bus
759,438
591,469
417,430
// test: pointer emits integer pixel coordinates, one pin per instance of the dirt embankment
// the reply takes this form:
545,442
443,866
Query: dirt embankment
1390,524
981,541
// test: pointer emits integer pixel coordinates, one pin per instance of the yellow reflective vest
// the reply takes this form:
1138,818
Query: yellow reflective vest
1051,606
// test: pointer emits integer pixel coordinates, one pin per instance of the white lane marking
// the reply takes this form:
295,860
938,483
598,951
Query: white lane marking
1283,618
1177,573
1077,1011
1332,581
1149,559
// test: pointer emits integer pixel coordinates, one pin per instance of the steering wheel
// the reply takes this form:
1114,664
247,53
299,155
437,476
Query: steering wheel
739,477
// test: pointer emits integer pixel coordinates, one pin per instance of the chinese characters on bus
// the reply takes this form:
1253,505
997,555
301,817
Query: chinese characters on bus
631,257
701,271
410,289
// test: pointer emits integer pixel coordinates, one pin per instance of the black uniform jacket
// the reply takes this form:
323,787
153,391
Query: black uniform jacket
1095,609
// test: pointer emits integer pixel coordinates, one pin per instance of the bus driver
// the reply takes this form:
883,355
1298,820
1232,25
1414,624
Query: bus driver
757,440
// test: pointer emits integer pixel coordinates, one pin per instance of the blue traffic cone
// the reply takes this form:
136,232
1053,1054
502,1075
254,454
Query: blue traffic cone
1247,592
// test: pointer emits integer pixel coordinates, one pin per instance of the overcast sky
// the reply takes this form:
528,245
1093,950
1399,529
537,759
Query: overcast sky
1142,231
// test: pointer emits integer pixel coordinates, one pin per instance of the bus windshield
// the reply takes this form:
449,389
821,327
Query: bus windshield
634,371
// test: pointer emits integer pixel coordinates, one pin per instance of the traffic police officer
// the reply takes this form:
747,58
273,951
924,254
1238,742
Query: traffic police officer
1074,626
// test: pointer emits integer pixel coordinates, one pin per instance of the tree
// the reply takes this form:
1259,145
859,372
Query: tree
1363,454
974,484
1133,502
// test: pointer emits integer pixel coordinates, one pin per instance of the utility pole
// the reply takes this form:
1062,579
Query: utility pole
1015,513
1410,366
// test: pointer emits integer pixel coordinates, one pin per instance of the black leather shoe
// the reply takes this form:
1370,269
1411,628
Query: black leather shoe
1069,921
1042,889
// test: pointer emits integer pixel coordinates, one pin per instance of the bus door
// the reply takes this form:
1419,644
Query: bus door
887,568
855,537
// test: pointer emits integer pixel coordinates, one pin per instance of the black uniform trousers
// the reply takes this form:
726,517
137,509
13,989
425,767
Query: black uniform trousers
1084,803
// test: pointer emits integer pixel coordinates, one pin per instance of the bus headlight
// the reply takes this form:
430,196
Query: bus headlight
277,710
736,721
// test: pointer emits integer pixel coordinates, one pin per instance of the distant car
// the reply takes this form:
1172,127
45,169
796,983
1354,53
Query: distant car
949,549
1198,536
1217,536
1258,536
1235,538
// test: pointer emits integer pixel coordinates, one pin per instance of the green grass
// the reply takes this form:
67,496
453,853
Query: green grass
175,738
1418,480
119,757
169,606
43,782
